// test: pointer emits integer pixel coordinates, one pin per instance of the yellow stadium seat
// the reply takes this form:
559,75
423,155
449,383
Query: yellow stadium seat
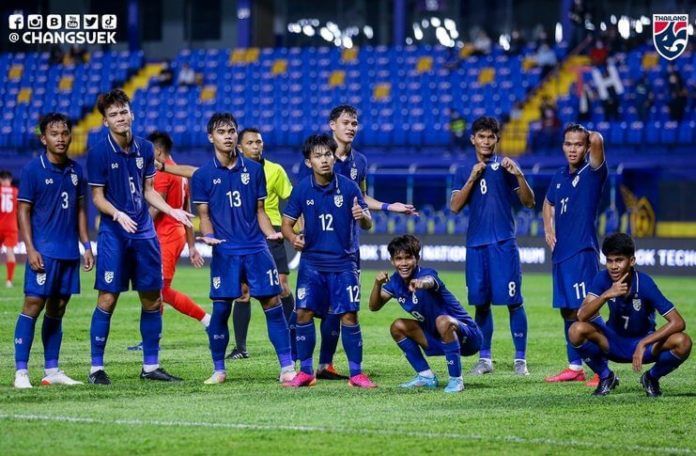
486,76
280,66
252,55
238,56
15,73
349,55
425,64
24,95
65,84
650,60
208,93
382,91
337,78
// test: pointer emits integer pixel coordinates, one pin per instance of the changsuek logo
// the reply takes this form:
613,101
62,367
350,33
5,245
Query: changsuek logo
62,29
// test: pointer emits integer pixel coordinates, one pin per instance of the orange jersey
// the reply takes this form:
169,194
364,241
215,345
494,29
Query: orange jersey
8,209
175,190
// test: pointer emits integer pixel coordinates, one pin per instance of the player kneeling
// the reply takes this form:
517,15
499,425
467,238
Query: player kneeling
629,336
441,325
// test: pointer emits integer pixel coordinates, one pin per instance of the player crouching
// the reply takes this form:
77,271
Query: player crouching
629,336
441,325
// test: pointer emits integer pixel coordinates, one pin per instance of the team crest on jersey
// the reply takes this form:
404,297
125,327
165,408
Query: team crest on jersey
245,178
338,200
139,162
495,166
575,181
301,293
41,278
670,34
354,173
636,304
109,276
216,282
73,178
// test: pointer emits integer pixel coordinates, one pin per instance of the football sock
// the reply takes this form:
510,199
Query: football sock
414,355
484,320
666,363
427,373
453,357
288,305
292,322
278,334
306,337
52,336
518,329
181,302
219,333
150,331
98,334
23,338
574,359
330,332
352,344
10,270
241,316
595,358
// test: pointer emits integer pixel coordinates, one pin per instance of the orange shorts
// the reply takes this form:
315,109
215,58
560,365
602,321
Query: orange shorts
9,239
171,248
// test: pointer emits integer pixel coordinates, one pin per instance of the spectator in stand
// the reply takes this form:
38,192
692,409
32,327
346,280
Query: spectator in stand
599,53
549,123
678,95
166,77
187,77
482,43
545,58
642,98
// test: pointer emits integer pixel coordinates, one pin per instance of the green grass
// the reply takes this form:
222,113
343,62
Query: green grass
251,413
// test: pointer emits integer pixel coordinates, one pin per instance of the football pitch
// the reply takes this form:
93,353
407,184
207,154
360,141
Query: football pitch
252,413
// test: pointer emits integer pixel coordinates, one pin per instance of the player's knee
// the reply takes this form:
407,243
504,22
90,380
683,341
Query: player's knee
33,305
304,316
578,331
56,308
444,325
682,344
398,329
349,319
107,302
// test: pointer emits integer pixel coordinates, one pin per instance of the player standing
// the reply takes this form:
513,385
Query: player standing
441,325
493,273
8,223
570,224
121,170
53,221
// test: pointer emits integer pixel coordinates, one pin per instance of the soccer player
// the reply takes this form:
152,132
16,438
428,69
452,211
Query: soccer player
328,281
570,224
53,221
440,325
121,170
630,335
492,259
229,193
343,122
8,223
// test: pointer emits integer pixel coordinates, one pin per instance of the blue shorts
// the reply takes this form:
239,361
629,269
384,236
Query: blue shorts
327,292
493,274
470,339
572,277
621,348
121,260
60,278
228,271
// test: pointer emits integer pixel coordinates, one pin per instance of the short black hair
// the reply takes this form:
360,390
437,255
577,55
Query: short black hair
340,109
486,123
54,117
220,118
407,243
317,141
113,97
247,130
161,139
5,174
576,128
619,244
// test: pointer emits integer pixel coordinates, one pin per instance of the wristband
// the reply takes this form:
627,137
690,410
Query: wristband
385,207
87,245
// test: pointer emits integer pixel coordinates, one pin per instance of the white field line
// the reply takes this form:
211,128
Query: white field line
329,430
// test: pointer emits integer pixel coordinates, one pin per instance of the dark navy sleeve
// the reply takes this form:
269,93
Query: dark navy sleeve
27,185
199,192
261,190
460,179
511,181
96,168
293,208
390,286
82,182
655,296
149,161
600,284
551,192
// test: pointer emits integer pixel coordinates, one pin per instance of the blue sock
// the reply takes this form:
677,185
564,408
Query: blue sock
666,363
574,357
453,357
306,337
98,334
352,344
330,332
518,329
52,336
414,355
219,333
292,322
595,358
23,337
150,331
278,334
484,320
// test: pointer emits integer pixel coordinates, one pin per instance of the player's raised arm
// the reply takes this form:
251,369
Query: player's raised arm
524,192
396,207
155,199
379,297
596,149
548,212
177,170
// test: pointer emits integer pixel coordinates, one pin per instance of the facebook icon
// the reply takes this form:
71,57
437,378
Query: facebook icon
16,21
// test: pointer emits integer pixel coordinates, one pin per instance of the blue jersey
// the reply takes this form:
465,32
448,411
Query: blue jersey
575,197
329,226
123,177
490,204
354,167
232,196
633,315
427,305
54,193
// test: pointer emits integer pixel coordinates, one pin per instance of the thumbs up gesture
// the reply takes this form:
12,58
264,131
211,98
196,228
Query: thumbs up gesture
358,213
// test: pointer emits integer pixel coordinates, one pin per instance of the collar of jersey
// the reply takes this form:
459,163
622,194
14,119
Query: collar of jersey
333,185
238,164
580,170
46,163
117,149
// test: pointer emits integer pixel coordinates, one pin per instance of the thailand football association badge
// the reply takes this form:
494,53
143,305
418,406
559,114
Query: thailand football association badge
216,282
636,304
109,276
301,293
670,34
139,162
338,200
354,173
495,166
73,178
245,178
41,278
